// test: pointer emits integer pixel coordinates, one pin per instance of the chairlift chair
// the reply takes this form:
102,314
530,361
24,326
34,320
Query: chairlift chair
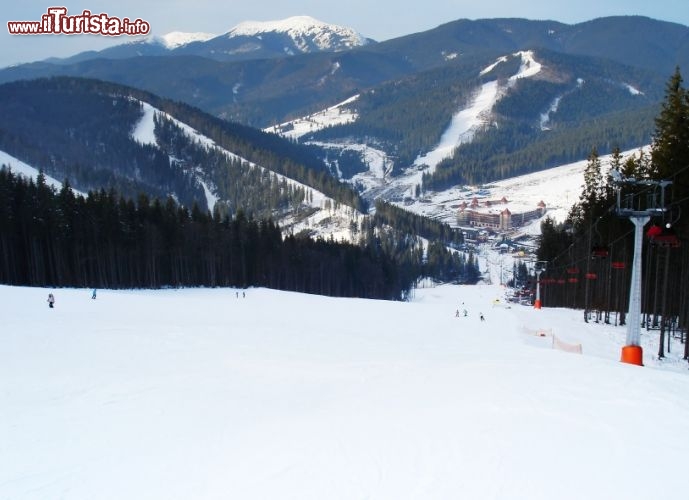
600,252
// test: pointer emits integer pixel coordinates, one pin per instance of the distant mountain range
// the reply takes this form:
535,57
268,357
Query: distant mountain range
265,73
502,96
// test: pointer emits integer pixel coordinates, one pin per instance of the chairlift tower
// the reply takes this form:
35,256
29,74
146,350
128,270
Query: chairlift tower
539,267
639,213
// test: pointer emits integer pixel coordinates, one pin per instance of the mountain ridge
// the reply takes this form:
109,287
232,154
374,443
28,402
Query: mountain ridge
246,40
262,92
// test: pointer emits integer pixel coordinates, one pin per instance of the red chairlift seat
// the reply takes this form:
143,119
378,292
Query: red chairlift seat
654,231
618,265
591,276
599,252
572,270
666,238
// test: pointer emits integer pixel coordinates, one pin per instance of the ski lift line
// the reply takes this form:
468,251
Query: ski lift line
678,201
610,209
585,235
584,259
679,172
651,185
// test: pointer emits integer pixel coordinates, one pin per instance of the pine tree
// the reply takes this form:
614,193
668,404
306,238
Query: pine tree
594,189
670,149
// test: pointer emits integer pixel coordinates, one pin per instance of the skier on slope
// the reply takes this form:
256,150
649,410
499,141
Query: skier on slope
51,300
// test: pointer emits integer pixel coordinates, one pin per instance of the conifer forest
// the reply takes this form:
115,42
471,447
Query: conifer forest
588,258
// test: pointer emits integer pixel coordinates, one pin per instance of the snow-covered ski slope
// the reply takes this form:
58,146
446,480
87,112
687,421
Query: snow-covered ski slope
328,218
204,394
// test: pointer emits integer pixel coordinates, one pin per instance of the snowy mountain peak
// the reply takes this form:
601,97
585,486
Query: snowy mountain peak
177,39
304,31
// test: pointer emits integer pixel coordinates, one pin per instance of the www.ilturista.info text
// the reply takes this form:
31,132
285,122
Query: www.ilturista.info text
56,22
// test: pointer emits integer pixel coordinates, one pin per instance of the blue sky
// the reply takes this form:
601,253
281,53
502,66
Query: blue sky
380,20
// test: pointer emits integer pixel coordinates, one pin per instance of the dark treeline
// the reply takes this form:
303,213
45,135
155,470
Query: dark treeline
50,238
589,257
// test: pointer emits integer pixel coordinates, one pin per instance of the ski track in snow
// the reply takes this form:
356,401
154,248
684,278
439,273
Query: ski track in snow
178,394
462,128
144,130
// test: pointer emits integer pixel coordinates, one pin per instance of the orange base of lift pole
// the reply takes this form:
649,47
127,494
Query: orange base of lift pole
537,304
632,354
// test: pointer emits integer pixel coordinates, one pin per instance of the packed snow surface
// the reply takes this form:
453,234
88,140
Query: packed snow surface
206,394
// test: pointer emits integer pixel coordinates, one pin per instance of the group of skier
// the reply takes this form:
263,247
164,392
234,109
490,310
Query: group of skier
465,313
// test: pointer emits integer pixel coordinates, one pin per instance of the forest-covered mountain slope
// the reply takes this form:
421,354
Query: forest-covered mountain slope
484,119
100,135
